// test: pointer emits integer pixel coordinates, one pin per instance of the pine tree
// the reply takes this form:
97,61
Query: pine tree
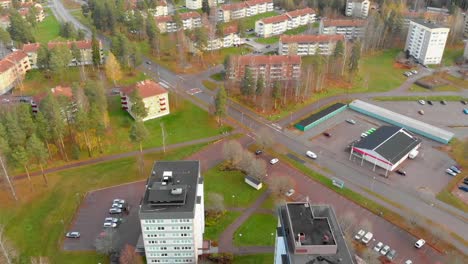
220,104
43,57
96,50
22,158
205,7
38,152
260,85
19,29
276,92
353,65
138,108
248,83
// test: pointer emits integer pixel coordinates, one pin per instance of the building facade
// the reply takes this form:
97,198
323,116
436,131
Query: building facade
229,38
272,68
426,41
154,97
12,70
277,25
172,213
5,4
193,4
305,45
228,12
350,28
160,9
167,24
465,28
357,8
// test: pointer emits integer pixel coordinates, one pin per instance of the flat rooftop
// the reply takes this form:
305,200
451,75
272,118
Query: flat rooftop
428,24
171,190
316,116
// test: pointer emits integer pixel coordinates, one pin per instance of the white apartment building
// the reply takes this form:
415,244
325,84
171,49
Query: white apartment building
189,20
154,97
193,4
277,25
350,28
172,213
465,52
229,38
465,34
357,8
228,12
304,45
161,9
426,41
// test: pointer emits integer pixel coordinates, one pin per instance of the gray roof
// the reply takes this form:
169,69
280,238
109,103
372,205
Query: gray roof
171,190
428,24
253,180
390,142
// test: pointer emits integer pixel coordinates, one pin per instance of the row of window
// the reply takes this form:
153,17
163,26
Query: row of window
150,228
183,254
160,221
168,235
171,248
186,241
171,260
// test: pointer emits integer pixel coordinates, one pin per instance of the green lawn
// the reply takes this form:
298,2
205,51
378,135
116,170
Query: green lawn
270,40
84,20
131,77
254,259
270,203
231,185
213,232
34,225
48,29
444,88
218,76
258,230
451,54
210,85
249,22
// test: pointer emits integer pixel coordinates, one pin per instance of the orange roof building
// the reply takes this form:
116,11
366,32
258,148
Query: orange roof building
304,45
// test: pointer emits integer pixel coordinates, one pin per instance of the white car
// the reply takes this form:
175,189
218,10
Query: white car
109,224
414,72
274,161
351,121
378,247
115,211
385,250
422,102
120,201
408,262
73,234
117,205
311,155
363,135
359,234
420,243
290,192
450,172
111,220
367,238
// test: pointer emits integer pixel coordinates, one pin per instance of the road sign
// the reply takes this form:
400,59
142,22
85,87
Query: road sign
338,183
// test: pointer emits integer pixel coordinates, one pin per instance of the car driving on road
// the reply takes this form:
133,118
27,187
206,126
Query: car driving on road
311,154
274,161
73,234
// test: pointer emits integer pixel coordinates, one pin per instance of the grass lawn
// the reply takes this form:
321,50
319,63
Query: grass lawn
249,22
231,185
415,98
254,259
48,29
211,85
270,40
34,224
270,203
444,88
258,230
131,77
218,76
214,231
36,82
451,53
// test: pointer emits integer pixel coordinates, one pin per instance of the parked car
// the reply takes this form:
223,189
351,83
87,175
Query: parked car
290,192
392,254
359,234
117,205
414,72
268,46
465,111
401,172
112,220
311,155
421,112
385,250
274,161
463,188
407,74
450,172
247,39
464,102
465,181
148,62
258,152
367,237
109,224
351,121
455,169
120,201
73,234
378,247
408,262
443,102
420,243
422,102
115,211
363,135
326,134
429,102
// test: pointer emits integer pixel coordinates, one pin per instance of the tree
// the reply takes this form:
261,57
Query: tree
247,83
353,65
25,121
138,133
201,35
43,57
55,125
19,29
16,136
215,203
112,68
80,34
280,185
233,152
76,54
220,104
38,151
339,50
129,256
264,138
107,242
138,108
205,7
257,169
5,38
96,50
276,92
4,146
22,157
60,58
260,85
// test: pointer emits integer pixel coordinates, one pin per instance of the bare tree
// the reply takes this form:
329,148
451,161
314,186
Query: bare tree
40,260
347,220
129,256
280,185
265,138
215,203
5,173
9,254
370,256
233,152
257,169
106,243
246,161
366,224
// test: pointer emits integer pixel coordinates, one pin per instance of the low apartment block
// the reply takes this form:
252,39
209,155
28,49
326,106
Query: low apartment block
277,25
309,234
171,214
167,24
26,8
350,28
357,8
154,97
272,68
228,12
465,28
305,45
426,41
85,47
193,4
229,38
12,70
160,9
58,91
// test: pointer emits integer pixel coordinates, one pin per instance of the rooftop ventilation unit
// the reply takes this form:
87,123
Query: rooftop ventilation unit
176,191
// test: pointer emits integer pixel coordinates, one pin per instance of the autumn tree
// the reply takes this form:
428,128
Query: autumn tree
20,30
205,7
215,203
60,58
138,108
233,153
220,104
276,92
43,56
280,185
96,50
22,158
247,83
38,152
112,68
260,88
139,133
129,256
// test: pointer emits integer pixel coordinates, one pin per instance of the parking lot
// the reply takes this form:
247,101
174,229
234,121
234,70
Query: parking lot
90,216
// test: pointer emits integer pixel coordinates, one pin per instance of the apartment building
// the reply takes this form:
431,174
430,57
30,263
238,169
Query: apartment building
304,45
350,28
167,24
5,4
277,25
154,97
26,8
193,4
357,8
272,67
58,91
160,9
465,28
426,41
229,38
228,12
172,213
12,70
309,234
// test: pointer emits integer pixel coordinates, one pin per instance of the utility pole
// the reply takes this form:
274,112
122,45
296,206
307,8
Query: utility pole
8,179
5,253
163,133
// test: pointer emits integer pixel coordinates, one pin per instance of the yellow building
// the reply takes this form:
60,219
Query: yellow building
154,97
12,70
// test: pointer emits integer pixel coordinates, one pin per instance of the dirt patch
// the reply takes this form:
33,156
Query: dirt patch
431,82
398,65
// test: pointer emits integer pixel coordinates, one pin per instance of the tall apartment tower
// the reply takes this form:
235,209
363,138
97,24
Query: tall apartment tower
357,8
172,213
426,41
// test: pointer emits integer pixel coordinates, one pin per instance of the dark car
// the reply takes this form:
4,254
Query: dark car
326,134
247,39
463,188
258,152
401,172
148,62
464,102
429,102
268,46
465,181
443,102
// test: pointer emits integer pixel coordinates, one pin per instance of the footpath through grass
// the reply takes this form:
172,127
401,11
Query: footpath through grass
48,29
37,223
214,230
258,230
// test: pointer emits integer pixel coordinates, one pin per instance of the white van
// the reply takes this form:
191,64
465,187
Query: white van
311,155
367,237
